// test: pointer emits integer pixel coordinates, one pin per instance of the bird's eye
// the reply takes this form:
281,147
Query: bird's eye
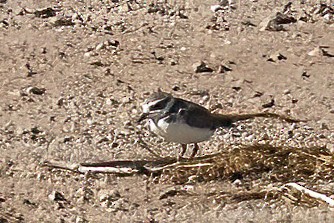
159,105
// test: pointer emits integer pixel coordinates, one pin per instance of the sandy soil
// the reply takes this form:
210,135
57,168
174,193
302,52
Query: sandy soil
73,76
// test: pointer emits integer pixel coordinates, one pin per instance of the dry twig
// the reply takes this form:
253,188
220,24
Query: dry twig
310,193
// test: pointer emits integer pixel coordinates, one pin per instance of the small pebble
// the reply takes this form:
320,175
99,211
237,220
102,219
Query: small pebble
56,196
99,46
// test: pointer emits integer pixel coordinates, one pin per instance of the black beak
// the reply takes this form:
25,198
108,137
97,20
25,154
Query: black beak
142,117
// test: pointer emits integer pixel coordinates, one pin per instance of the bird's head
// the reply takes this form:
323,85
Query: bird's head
158,102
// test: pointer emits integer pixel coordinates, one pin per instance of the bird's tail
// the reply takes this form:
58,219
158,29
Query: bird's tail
227,120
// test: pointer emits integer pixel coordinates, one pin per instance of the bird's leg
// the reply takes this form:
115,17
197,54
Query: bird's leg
183,149
195,150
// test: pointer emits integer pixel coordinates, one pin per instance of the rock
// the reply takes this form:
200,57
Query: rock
183,48
305,74
112,195
170,192
120,205
275,22
173,62
323,10
45,12
287,7
113,201
99,46
276,57
79,219
31,72
223,5
237,182
223,69
107,72
176,88
97,63
294,100
29,203
35,130
237,85
306,17
202,67
315,52
192,179
61,21
248,23
4,23
56,196
204,99
90,54
320,51
36,90
215,8
258,94
330,147
296,35
60,102
290,134
43,50
250,138
269,104
264,136
159,59
326,53
328,18
126,100
68,139
114,43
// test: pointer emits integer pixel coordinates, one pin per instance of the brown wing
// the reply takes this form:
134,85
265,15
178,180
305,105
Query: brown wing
193,114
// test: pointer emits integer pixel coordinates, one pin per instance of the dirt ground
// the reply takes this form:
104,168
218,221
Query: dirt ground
74,74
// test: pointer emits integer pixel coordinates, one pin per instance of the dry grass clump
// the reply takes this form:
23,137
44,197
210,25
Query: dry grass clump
263,172
277,164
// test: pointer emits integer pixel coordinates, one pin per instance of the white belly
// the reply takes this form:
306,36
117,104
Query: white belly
180,132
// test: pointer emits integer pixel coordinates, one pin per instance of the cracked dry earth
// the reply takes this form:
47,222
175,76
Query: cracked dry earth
73,76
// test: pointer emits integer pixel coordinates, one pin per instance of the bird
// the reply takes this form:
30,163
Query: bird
181,121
